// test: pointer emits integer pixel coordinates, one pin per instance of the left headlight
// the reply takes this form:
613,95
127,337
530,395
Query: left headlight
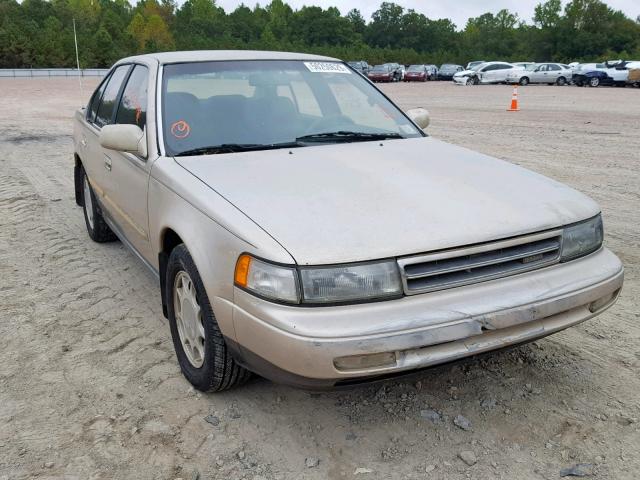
582,238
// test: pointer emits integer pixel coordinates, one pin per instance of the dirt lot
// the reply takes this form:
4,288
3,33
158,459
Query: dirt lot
90,387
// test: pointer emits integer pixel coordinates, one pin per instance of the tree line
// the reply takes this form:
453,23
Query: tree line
39,33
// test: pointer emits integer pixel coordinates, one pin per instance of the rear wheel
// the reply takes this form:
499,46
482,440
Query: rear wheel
200,347
97,228
524,81
561,81
594,82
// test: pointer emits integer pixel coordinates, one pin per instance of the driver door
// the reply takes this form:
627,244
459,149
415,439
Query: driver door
130,172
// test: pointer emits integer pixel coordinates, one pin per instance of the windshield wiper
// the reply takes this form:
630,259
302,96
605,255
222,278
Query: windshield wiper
347,136
236,147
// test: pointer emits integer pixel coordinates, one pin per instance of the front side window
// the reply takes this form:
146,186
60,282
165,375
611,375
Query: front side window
133,105
263,104
104,115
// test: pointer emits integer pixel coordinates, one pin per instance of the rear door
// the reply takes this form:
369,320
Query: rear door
500,72
130,172
553,71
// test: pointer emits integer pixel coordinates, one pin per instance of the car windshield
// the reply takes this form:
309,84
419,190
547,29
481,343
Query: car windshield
226,106
415,68
446,66
380,68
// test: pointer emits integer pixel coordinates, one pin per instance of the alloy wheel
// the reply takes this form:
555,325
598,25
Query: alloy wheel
189,318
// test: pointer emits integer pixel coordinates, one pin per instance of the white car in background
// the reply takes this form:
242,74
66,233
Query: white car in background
549,73
488,72
619,71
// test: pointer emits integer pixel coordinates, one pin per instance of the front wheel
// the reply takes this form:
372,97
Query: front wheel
594,82
200,347
524,81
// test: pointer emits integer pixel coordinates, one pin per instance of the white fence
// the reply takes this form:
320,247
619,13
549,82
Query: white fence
52,72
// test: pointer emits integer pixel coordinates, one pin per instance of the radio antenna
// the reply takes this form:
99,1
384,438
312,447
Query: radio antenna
75,39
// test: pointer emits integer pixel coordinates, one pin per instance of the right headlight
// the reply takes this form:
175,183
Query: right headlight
582,238
347,283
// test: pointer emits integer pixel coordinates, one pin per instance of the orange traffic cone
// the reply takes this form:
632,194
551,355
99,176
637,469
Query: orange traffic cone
514,100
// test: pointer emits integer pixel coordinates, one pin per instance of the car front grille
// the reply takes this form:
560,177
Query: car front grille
479,263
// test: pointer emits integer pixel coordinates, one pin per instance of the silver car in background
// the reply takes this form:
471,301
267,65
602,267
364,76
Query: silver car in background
301,226
549,73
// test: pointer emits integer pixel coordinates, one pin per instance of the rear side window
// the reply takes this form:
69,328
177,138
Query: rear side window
107,106
133,106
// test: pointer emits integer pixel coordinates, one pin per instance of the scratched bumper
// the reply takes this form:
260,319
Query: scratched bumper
300,345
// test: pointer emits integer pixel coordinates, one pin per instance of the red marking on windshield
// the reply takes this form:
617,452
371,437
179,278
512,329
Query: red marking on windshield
180,129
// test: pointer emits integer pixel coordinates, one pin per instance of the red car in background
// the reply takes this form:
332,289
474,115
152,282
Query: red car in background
383,73
416,73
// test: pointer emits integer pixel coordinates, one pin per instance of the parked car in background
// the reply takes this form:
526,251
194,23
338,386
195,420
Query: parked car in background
619,72
549,73
396,69
580,73
384,73
213,169
432,71
489,72
360,66
470,65
448,70
416,73
634,74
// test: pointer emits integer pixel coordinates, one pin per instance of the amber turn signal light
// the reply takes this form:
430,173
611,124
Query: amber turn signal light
242,270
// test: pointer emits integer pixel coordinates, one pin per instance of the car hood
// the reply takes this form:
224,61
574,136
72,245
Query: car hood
371,200
464,73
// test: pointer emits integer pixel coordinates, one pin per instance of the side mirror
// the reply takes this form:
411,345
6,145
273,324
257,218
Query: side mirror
420,116
124,138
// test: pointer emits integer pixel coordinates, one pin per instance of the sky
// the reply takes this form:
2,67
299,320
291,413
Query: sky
457,10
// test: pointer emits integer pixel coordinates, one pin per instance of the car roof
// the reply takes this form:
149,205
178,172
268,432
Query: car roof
221,55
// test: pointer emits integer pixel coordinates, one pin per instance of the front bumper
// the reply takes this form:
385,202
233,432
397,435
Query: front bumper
460,80
300,345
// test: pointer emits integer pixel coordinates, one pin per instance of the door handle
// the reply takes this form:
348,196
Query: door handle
107,163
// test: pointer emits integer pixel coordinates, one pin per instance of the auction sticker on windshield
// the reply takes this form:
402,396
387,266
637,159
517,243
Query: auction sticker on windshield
326,67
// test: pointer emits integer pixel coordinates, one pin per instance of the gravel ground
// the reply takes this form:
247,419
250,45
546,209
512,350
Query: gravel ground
90,387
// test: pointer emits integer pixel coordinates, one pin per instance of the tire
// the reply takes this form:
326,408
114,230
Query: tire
97,228
215,369
561,81
524,81
594,82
